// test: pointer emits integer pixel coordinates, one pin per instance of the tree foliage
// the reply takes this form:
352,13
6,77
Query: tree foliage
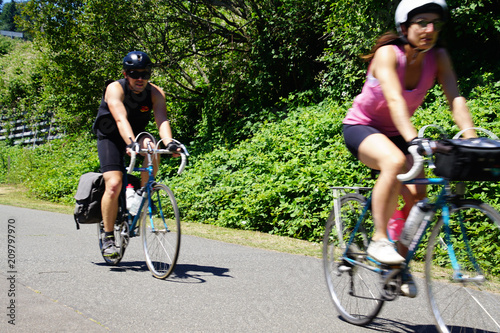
234,72
229,65
219,62
472,35
7,17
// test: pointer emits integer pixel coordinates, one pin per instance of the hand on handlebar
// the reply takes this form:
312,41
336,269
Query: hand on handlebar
423,144
417,148
173,147
132,147
177,148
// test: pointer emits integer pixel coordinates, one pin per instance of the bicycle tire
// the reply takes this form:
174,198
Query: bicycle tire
161,232
465,305
119,242
354,289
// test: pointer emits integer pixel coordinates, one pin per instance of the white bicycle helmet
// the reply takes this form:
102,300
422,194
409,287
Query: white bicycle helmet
408,8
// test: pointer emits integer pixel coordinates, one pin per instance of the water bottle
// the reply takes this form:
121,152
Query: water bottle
136,203
420,211
129,194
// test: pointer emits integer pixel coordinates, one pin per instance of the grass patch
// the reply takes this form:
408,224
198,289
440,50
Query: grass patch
18,196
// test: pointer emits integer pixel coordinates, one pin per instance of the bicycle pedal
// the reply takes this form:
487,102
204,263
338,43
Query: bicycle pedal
393,267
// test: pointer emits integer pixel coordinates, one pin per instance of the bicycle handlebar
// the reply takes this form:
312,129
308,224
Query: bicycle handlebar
184,154
418,165
418,159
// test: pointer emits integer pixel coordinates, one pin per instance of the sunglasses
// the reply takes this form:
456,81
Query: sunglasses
437,24
136,74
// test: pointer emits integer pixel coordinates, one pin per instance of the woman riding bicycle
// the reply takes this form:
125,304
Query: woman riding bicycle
124,112
378,129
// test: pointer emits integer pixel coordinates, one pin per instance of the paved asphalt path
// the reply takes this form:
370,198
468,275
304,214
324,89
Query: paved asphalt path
61,284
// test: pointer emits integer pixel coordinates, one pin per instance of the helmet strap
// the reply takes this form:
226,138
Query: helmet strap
415,49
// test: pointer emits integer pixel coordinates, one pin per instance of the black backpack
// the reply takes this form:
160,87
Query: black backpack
88,199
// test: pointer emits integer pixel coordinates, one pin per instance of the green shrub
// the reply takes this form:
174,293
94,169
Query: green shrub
6,45
276,182
51,171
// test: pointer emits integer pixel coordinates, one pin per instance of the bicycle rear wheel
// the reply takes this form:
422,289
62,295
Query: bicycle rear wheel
354,288
467,300
161,232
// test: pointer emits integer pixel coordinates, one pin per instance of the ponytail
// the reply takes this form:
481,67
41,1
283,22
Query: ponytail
389,38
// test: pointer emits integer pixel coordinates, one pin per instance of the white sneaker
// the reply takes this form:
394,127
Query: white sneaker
408,287
384,251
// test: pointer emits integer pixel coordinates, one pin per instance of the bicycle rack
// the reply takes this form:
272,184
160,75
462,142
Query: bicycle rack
338,192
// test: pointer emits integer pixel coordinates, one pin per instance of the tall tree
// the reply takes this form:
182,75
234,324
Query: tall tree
215,59
472,35
7,18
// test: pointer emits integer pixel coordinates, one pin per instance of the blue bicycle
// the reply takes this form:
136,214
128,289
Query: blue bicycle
157,218
462,285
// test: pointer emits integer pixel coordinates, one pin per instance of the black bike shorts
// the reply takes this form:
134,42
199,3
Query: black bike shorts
355,134
111,153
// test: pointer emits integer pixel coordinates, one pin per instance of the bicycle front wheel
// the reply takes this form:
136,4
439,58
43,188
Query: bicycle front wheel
465,299
161,232
354,287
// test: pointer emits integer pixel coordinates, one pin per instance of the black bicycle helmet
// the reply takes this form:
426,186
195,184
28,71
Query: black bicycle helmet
137,60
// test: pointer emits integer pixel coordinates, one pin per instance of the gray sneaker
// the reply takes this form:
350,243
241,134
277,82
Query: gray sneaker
109,248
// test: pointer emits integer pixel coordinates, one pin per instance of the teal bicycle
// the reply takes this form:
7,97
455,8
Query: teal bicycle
462,284
157,218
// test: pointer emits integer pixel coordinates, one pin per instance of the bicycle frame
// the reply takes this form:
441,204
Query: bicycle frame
134,222
442,202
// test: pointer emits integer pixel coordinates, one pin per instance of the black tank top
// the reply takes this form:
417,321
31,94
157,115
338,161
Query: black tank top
138,108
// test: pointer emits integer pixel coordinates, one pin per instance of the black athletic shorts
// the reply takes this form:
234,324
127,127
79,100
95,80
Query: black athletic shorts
355,134
111,153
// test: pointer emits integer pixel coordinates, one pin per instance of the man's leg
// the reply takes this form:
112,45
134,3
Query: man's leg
109,208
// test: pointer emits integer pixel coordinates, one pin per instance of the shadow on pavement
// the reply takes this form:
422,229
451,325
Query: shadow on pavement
186,273
183,273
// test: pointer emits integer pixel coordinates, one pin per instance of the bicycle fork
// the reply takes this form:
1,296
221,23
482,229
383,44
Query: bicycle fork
458,276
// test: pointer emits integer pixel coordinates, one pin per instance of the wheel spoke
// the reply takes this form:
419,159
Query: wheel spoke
464,293
161,232
355,285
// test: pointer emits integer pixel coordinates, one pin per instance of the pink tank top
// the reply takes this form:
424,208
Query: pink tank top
370,107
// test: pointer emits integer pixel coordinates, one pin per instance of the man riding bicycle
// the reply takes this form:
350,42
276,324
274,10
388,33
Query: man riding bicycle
125,111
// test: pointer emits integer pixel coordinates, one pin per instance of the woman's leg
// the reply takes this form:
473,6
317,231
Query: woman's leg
378,152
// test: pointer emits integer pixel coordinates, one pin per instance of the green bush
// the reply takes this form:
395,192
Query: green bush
6,45
276,182
51,171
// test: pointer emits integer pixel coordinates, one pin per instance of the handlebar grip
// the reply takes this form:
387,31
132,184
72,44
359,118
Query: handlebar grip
418,164
132,161
183,163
